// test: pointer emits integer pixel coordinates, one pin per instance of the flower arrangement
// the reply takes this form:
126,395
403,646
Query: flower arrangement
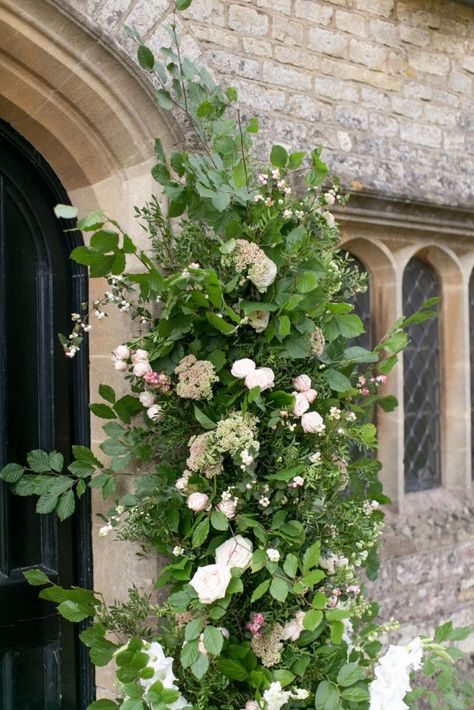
248,424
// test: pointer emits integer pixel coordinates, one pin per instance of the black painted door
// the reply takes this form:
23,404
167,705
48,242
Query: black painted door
43,404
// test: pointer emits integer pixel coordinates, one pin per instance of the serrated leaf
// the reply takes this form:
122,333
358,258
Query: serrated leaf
290,565
66,505
337,381
201,531
193,629
312,619
38,461
200,667
145,57
262,589
189,654
213,640
56,461
327,696
311,556
279,589
35,577
219,520
12,472
72,611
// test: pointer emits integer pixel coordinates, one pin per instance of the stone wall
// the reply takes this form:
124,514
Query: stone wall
385,85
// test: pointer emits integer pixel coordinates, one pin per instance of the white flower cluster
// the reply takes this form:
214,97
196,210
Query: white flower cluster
392,676
211,581
304,394
275,697
162,667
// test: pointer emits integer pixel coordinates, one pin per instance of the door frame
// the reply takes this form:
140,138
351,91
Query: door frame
80,415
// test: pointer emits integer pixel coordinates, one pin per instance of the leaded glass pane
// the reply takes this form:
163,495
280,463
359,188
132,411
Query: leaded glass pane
471,336
361,303
421,383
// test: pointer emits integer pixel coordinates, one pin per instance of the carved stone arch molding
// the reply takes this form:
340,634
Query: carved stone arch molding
92,117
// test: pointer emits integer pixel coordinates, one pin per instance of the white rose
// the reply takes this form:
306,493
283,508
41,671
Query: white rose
147,399
120,365
258,320
251,705
273,555
197,502
228,508
182,483
312,422
242,368
264,275
155,413
211,582
235,552
294,628
302,383
262,377
122,352
141,368
301,404
140,356
310,395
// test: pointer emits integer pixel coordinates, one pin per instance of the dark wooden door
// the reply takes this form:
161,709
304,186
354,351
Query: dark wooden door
43,404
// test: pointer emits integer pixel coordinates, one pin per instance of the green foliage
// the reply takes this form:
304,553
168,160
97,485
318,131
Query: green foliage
244,266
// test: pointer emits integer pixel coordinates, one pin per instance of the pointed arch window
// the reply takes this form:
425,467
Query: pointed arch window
362,306
422,383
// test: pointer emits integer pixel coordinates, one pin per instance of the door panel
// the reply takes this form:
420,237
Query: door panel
43,400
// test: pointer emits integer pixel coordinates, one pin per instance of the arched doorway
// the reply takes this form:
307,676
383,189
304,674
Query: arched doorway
43,404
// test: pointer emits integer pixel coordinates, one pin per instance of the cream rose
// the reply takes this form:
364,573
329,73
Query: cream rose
155,413
312,423
122,352
301,404
228,508
197,502
242,368
211,582
310,395
140,356
262,377
258,320
120,365
147,399
302,383
263,274
235,552
141,367
294,628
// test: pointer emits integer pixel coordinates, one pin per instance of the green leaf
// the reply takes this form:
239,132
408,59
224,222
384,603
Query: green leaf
163,99
104,241
312,619
337,381
349,674
103,411
260,590
145,57
65,212
278,156
357,694
35,577
72,611
12,472
327,696
306,281
203,419
388,404
252,306
91,221
103,704
189,654
295,160
38,461
252,126
66,505
296,238
193,629
284,326
319,601
311,556
279,589
56,461
183,4
284,676
219,323
232,669
290,565
213,640
337,631
358,354
219,520
107,393
46,503
200,667
349,326
201,531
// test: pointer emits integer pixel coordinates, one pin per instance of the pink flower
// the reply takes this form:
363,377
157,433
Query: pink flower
297,482
353,589
301,404
364,391
312,423
382,379
256,624
197,502
310,395
120,365
228,508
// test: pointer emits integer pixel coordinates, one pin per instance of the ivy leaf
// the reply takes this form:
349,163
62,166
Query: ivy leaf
36,577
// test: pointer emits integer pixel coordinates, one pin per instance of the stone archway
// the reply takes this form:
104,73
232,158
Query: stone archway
93,119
